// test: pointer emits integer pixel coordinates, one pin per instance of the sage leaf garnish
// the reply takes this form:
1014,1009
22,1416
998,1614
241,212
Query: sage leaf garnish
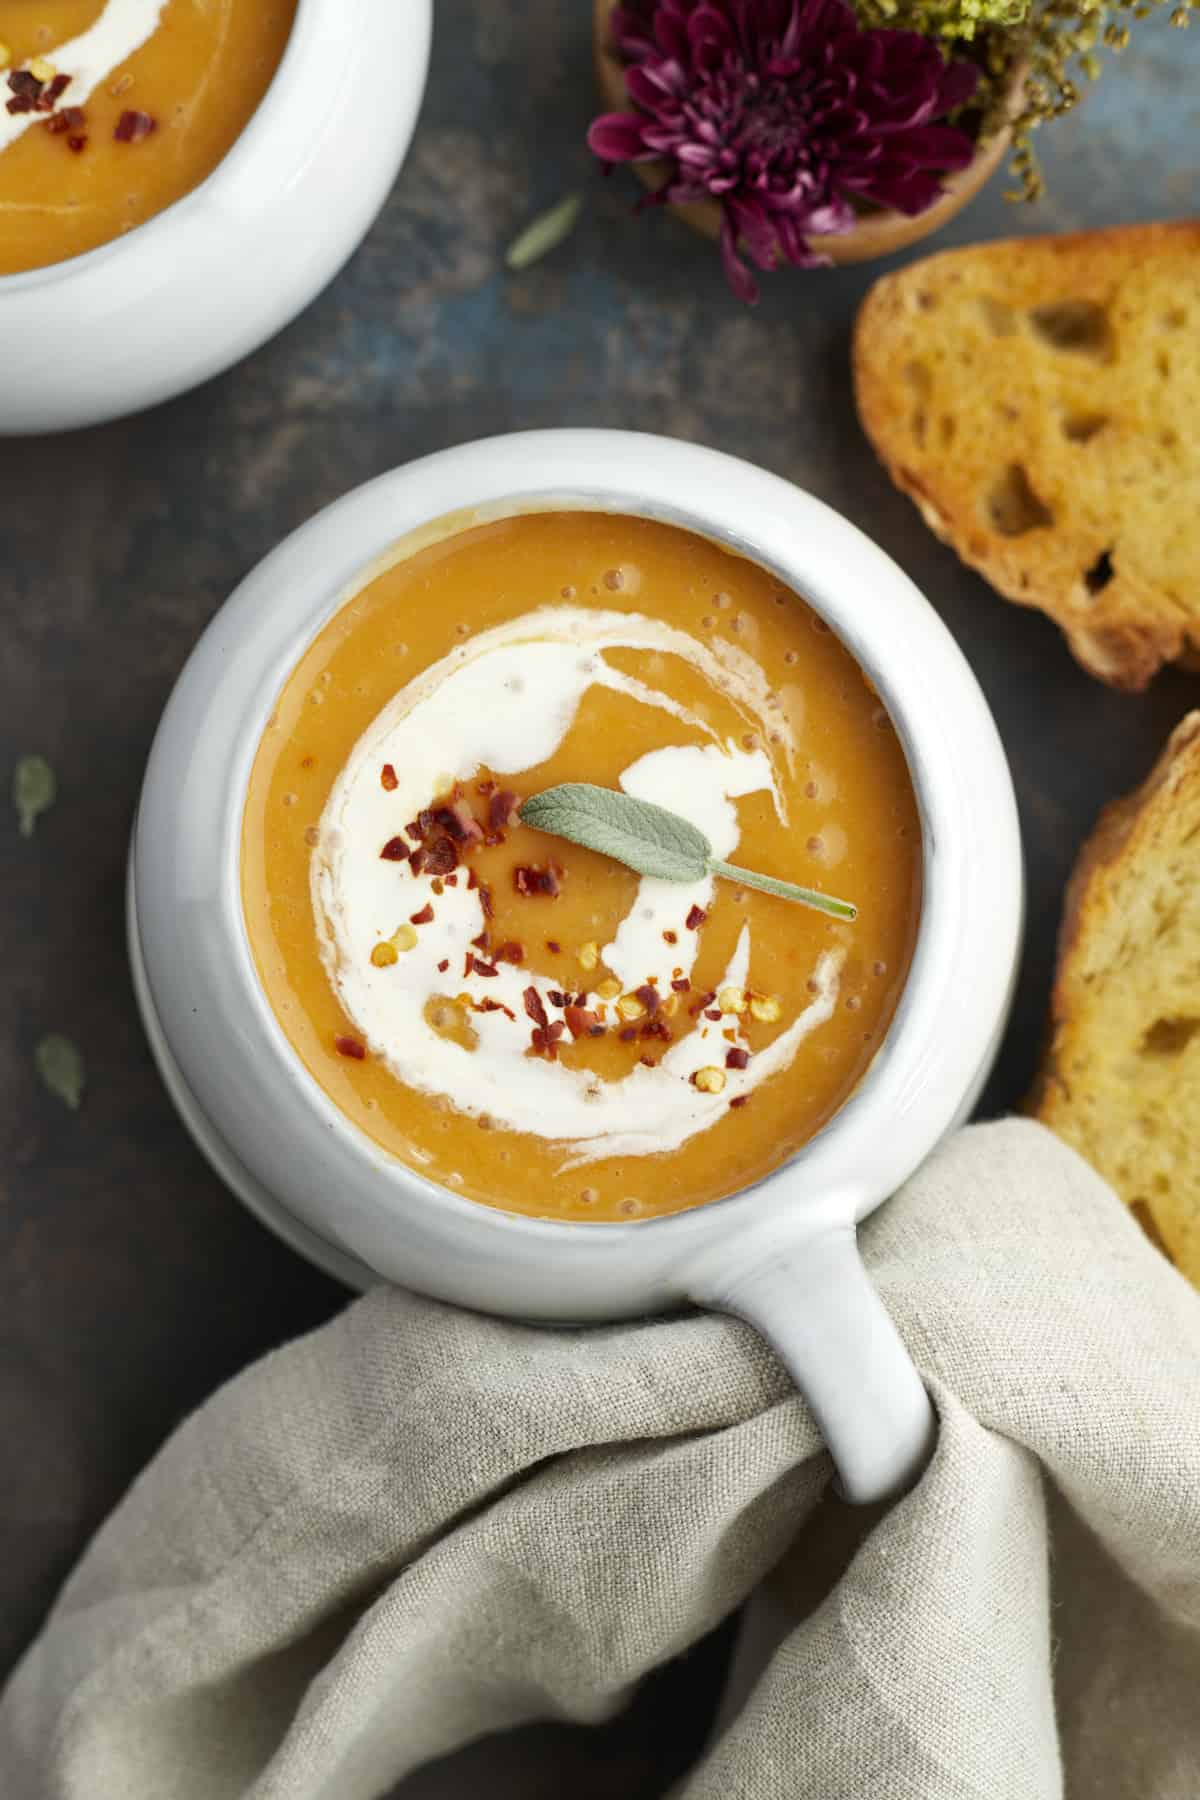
34,790
545,233
60,1064
653,841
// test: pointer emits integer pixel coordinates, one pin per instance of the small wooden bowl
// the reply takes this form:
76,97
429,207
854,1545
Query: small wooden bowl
878,232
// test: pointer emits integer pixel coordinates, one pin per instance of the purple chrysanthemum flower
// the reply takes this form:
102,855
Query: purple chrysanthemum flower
786,113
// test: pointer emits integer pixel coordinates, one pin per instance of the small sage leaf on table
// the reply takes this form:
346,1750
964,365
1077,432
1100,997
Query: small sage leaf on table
60,1064
545,233
34,790
652,840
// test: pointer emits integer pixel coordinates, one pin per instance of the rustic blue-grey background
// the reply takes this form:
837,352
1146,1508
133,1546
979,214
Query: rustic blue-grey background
131,1283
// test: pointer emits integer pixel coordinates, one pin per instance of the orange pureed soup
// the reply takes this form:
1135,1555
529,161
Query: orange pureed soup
113,109
528,1022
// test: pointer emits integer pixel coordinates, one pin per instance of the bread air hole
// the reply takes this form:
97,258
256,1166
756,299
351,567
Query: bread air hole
1080,326
1169,1037
919,379
1097,578
1081,428
1013,506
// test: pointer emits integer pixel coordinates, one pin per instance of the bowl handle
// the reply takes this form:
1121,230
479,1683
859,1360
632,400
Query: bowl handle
819,1310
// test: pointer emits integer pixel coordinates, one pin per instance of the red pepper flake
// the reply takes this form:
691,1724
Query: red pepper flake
530,880
557,999
582,1023
628,1034
704,1000
482,942
501,809
543,1044
485,788
436,885
451,880
483,968
511,952
555,1031
395,850
414,831
26,89
656,1028
349,1046
472,879
739,1100
670,937
580,1000
50,95
534,1007
306,762
649,997
443,965
682,985
440,856
458,822
387,779
737,1059
696,918
553,946
487,1004
712,1012
486,902
77,144
133,127
424,917
648,1062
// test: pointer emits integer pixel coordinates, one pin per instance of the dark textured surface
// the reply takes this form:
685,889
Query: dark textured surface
131,1283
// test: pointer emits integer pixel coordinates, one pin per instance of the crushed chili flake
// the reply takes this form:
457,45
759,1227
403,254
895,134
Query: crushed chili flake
133,127
703,1001
485,788
388,780
50,95
682,985
555,1031
77,144
440,856
512,952
485,900
443,965
670,937
348,1046
529,880
424,917
543,1044
534,1007
483,968
483,941
627,1034
451,880
68,118
713,1012
472,879
739,1100
582,1023
696,918
414,831
501,808
648,1062
25,90
737,1059
458,821
553,946
395,850
555,998
649,997
656,1028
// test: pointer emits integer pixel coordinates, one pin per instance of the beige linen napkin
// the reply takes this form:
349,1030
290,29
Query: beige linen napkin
416,1525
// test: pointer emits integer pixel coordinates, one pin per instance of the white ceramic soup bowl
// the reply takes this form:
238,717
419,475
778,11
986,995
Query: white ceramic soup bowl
200,285
782,1253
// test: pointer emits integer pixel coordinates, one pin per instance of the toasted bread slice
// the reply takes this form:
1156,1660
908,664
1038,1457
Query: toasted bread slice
1039,399
1121,1081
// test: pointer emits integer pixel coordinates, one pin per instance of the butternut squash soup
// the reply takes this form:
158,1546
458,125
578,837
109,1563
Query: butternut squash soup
528,1022
116,108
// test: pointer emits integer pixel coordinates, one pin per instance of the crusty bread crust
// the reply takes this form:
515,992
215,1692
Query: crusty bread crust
1039,400
1123,868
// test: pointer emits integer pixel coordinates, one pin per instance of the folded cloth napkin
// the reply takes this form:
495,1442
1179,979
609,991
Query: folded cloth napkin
417,1525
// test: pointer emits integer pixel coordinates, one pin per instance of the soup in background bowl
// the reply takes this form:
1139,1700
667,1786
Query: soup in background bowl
521,1019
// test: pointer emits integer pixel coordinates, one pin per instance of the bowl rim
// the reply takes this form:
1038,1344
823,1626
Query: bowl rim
745,509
